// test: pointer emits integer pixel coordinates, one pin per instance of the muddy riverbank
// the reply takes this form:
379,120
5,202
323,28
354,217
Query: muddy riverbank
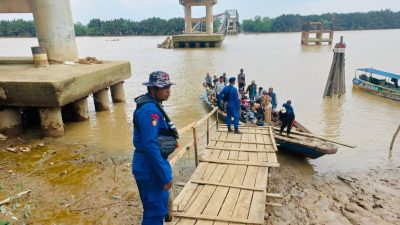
72,185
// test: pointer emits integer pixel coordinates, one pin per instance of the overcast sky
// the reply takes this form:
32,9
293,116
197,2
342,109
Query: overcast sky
84,10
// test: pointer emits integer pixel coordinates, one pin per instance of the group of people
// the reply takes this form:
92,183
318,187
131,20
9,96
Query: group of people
257,105
155,135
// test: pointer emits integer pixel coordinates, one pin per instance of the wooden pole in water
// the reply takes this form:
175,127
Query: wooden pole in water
335,84
394,137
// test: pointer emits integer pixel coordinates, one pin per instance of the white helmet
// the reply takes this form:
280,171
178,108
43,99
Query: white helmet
283,110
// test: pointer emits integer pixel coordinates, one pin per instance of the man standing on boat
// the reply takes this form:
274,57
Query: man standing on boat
252,90
230,94
272,94
241,80
154,138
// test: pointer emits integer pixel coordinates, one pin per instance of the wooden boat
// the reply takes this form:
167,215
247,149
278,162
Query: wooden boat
368,82
300,142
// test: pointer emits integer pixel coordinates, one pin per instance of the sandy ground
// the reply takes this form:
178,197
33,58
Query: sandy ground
71,185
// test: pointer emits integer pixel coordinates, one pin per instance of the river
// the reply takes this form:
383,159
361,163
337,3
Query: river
296,72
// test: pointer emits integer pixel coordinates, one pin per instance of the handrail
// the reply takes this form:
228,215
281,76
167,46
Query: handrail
192,126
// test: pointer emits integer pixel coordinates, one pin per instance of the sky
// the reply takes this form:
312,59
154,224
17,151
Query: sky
84,10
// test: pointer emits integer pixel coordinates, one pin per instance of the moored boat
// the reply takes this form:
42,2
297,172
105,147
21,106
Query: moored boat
300,142
367,81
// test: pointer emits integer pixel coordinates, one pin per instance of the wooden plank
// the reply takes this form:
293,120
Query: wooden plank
257,207
274,195
228,185
190,188
243,150
243,204
218,218
243,132
233,162
272,139
240,142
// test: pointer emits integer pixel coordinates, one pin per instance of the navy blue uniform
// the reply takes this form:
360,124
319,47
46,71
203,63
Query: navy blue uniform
151,171
233,106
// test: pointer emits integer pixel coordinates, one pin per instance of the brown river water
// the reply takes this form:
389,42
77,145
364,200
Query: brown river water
296,72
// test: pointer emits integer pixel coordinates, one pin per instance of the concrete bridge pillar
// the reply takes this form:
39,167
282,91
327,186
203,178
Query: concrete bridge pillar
80,110
55,29
209,19
51,122
118,93
101,102
10,121
188,19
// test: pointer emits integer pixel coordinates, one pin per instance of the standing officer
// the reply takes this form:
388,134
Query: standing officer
230,94
150,166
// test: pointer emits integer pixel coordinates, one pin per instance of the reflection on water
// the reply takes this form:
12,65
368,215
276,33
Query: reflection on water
296,72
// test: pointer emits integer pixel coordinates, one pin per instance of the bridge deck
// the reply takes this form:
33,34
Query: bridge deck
230,183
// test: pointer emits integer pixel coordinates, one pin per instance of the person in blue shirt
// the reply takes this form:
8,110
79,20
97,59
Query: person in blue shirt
288,107
274,101
230,95
151,169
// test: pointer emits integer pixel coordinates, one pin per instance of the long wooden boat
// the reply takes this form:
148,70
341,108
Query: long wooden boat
297,143
368,82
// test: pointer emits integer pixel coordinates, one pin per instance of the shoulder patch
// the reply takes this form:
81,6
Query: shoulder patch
154,118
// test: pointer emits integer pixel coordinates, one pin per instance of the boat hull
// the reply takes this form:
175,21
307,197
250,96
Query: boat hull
375,89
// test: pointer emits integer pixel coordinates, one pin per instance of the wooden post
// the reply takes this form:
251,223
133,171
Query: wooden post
208,130
216,121
170,215
394,137
196,155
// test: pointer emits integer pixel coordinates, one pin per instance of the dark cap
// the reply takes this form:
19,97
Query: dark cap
232,79
158,79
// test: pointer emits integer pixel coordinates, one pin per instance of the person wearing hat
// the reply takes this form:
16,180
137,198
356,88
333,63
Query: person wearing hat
154,137
230,95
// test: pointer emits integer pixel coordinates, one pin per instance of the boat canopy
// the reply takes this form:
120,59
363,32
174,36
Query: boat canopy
380,72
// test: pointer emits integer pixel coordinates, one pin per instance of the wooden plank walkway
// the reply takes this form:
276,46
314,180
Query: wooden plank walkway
229,186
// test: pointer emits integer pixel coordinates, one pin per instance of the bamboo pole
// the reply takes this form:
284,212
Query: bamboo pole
208,131
394,137
196,155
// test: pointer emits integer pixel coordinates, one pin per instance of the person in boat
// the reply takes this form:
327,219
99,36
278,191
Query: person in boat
259,95
286,119
225,79
154,138
215,80
252,90
208,80
230,95
288,107
219,86
267,107
241,80
274,101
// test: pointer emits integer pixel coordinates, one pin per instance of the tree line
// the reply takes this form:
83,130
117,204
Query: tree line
384,19
97,27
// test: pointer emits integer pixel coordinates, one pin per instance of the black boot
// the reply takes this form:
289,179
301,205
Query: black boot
237,131
230,130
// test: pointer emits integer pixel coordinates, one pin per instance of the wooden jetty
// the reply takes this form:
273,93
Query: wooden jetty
230,183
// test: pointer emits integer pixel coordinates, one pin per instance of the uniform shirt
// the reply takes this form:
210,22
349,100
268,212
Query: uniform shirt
147,160
233,97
